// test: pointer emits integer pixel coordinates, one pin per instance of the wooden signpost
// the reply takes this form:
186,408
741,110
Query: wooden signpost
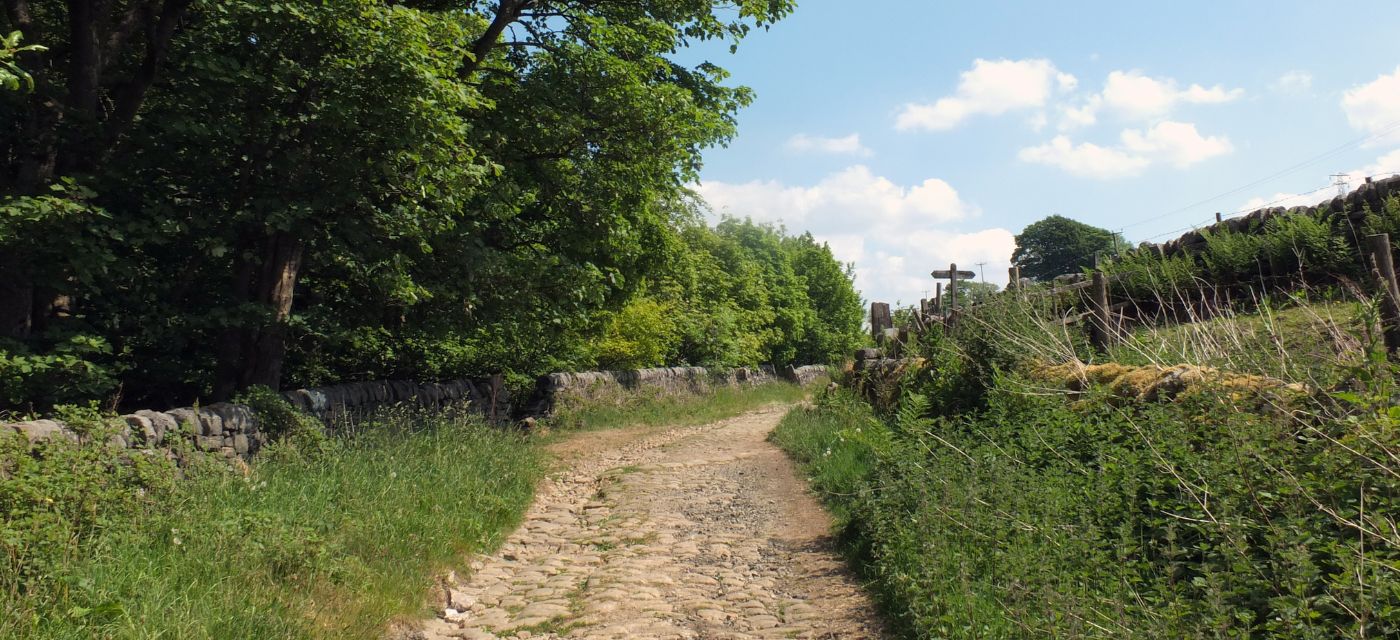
952,275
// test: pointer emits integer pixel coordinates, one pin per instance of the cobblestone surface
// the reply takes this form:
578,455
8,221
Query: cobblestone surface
687,532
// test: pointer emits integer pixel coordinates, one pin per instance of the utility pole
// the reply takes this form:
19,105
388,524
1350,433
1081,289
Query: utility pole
980,275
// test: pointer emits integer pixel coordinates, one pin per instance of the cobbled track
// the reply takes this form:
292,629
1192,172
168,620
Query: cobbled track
684,532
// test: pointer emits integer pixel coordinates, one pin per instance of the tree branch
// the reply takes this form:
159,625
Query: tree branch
507,12
130,96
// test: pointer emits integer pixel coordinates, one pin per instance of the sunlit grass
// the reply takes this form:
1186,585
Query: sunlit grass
333,539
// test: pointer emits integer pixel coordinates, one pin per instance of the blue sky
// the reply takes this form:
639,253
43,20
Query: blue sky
910,134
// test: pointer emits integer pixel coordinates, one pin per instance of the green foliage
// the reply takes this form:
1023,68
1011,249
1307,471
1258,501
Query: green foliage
335,545
640,335
66,371
278,419
1057,245
444,203
741,294
1035,517
12,77
57,498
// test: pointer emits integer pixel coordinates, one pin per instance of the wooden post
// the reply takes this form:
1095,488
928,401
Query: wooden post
880,320
952,289
1013,279
1100,326
938,298
1379,245
1217,217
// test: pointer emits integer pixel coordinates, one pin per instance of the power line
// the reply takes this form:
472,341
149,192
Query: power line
1296,167
1269,204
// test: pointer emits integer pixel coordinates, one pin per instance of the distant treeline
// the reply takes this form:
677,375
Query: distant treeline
201,196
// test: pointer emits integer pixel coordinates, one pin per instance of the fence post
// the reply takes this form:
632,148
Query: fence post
1013,279
1379,245
938,298
1100,326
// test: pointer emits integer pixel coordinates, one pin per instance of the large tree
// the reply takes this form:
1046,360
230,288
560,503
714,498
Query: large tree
1058,245
356,188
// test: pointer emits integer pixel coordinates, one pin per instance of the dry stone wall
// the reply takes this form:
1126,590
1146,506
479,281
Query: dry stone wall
1344,212
232,429
558,389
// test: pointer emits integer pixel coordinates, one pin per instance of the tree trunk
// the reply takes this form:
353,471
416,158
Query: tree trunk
16,299
252,351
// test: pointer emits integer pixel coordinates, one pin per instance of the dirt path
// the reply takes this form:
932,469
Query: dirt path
686,532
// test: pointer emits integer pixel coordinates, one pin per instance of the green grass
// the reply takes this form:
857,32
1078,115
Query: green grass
655,409
1300,342
335,538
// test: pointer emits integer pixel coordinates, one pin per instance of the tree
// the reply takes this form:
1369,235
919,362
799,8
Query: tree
1058,245
276,191
975,292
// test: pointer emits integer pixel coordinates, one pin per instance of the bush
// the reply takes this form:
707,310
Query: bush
56,498
1037,517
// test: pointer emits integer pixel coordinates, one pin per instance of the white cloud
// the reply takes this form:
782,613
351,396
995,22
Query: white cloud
1374,107
1295,81
898,269
1081,116
1175,142
990,87
894,234
846,145
1136,96
854,199
1085,159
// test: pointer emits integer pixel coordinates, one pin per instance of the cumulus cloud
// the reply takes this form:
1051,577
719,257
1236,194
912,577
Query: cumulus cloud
1086,114
1176,143
894,234
990,87
1374,107
1293,82
846,145
1133,96
854,198
1085,159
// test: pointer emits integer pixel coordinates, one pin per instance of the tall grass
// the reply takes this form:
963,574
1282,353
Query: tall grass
321,538
985,500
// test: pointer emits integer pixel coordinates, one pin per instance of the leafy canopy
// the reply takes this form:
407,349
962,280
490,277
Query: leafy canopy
1058,245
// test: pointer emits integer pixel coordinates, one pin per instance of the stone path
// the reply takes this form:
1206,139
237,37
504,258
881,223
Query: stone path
686,532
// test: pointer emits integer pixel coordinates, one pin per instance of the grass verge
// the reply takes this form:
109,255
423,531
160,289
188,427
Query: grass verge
322,538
